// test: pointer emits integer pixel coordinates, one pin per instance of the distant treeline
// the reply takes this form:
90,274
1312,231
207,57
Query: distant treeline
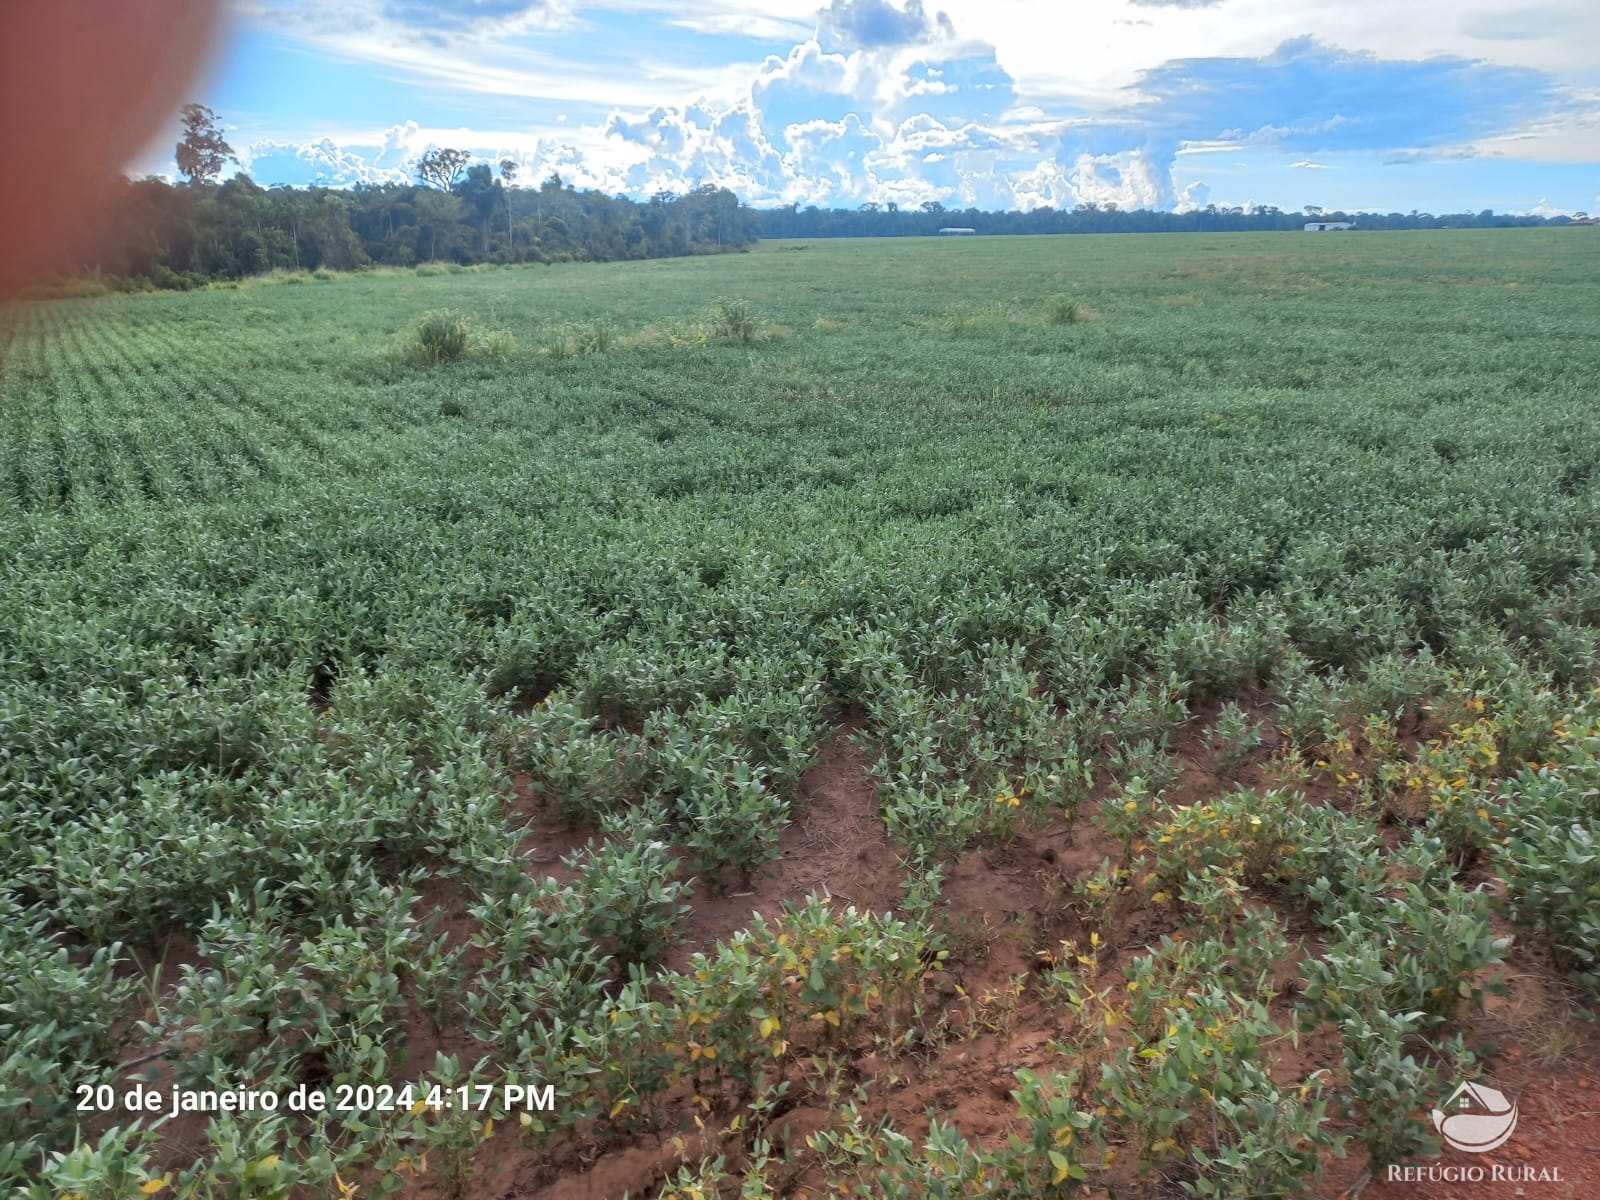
874,220
184,235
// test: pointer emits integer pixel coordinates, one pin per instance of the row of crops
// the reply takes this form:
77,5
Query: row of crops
285,634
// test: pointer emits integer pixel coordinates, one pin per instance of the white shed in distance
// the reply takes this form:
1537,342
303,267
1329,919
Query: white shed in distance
1324,226
957,231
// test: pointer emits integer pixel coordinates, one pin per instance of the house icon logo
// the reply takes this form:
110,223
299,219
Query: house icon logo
1476,1118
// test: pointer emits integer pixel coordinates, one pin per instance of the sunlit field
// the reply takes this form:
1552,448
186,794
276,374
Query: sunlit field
967,717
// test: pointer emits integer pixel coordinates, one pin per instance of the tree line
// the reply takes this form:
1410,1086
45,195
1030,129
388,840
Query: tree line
889,220
179,235
182,235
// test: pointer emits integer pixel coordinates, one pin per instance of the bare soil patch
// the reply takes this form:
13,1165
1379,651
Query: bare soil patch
834,846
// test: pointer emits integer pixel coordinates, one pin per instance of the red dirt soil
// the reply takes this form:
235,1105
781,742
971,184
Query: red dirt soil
1002,905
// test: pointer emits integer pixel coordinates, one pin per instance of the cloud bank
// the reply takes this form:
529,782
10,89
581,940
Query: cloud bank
892,101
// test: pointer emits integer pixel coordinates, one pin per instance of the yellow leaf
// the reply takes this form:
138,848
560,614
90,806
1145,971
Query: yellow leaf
1062,1166
488,1129
151,1186
618,1107
525,1120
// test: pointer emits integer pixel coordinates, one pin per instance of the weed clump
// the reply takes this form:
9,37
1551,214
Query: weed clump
446,336
497,345
735,322
575,341
442,336
961,318
1062,310
598,336
559,345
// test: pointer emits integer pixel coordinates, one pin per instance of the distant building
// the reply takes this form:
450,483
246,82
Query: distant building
1583,221
956,231
1324,226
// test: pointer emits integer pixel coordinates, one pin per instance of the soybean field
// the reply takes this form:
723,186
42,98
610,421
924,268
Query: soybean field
1017,717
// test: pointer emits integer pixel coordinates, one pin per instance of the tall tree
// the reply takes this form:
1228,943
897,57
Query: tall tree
508,176
437,212
483,193
443,168
203,150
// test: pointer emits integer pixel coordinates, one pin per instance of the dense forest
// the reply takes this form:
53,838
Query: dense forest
182,235
874,220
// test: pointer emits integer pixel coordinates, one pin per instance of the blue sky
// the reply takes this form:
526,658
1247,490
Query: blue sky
1361,104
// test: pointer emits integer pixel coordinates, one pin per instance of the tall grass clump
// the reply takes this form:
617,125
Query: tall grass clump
736,322
558,344
962,317
497,345
596,337
1062,310
576,340
442,336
